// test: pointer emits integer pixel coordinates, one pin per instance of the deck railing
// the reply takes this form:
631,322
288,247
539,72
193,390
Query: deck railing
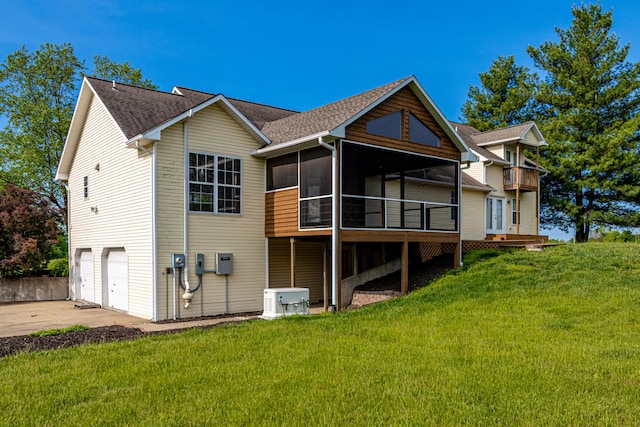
385,213
518,177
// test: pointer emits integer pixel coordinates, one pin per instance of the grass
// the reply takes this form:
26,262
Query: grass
518,338
58,331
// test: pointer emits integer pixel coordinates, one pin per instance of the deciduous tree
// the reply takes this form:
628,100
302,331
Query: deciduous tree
37,96
28,228
38,92
105,68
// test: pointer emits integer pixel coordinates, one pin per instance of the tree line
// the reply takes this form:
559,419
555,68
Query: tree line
586,103
38,92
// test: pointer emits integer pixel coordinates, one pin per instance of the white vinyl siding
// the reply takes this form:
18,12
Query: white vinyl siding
475,171
472,215
120,195
212,131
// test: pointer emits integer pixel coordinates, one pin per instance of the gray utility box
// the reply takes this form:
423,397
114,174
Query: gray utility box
177,260
224,263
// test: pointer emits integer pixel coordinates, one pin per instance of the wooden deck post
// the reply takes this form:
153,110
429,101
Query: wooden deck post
292,243
404,270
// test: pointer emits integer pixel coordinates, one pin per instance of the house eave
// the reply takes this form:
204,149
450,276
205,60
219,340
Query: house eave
153,134
289,146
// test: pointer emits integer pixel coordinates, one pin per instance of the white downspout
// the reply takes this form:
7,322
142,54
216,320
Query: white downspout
460,226
66,186
154,233
334,225
187,289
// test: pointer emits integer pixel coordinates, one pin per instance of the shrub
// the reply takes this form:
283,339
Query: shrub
58,267
28,229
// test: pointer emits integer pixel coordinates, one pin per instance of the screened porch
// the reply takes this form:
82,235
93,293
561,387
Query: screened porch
385,189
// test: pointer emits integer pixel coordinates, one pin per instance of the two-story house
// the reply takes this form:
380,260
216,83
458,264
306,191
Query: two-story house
186,203
508,206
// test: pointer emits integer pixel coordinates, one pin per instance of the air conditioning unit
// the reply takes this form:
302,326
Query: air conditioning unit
280,302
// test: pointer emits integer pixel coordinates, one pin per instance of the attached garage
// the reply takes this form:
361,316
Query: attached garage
84,276
117,271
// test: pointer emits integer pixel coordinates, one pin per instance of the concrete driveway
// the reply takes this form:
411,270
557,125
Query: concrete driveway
22,318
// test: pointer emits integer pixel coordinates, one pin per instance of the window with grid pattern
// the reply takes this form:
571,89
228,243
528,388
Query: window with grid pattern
214,183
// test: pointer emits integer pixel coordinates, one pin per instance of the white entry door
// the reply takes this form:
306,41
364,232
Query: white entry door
495,215
118,280
86,276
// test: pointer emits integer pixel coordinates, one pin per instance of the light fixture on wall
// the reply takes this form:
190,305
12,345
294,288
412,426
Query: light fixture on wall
94,209
97,167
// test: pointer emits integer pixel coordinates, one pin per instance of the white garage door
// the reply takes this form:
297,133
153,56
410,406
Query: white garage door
85,276
118,282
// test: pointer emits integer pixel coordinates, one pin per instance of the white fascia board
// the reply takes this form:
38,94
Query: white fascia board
467,155
445,124
87,92
271,149
340,131
257,133
475,187
154,133
536,130
501,142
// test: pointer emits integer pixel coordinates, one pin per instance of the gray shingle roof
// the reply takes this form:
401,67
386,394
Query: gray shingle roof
259,114
137,110
469,134
511,132
324,118
468,181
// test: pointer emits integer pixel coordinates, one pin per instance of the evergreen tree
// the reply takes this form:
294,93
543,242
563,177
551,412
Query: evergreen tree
591,96
504,98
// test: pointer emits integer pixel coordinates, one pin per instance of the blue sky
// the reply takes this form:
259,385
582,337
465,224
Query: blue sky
303,54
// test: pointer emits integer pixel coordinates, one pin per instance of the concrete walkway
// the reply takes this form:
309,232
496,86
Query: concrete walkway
26,317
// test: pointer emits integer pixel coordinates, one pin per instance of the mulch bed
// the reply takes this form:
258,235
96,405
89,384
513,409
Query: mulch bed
418,277
25,343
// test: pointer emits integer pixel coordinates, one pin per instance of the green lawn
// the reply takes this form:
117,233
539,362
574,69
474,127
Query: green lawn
519,338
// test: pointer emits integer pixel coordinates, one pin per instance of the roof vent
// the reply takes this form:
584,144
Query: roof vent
113,85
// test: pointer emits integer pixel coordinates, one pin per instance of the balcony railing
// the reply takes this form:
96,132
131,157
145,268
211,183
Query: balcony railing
383,213
521,178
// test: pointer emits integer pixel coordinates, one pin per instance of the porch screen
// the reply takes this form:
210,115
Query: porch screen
388,189
282,171
315,188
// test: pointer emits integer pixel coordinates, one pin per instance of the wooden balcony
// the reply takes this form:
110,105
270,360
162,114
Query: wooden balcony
520,178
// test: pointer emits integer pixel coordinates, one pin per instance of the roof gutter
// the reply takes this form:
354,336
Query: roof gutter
264,151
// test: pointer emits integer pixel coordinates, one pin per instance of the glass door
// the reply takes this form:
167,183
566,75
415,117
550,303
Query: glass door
495,215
